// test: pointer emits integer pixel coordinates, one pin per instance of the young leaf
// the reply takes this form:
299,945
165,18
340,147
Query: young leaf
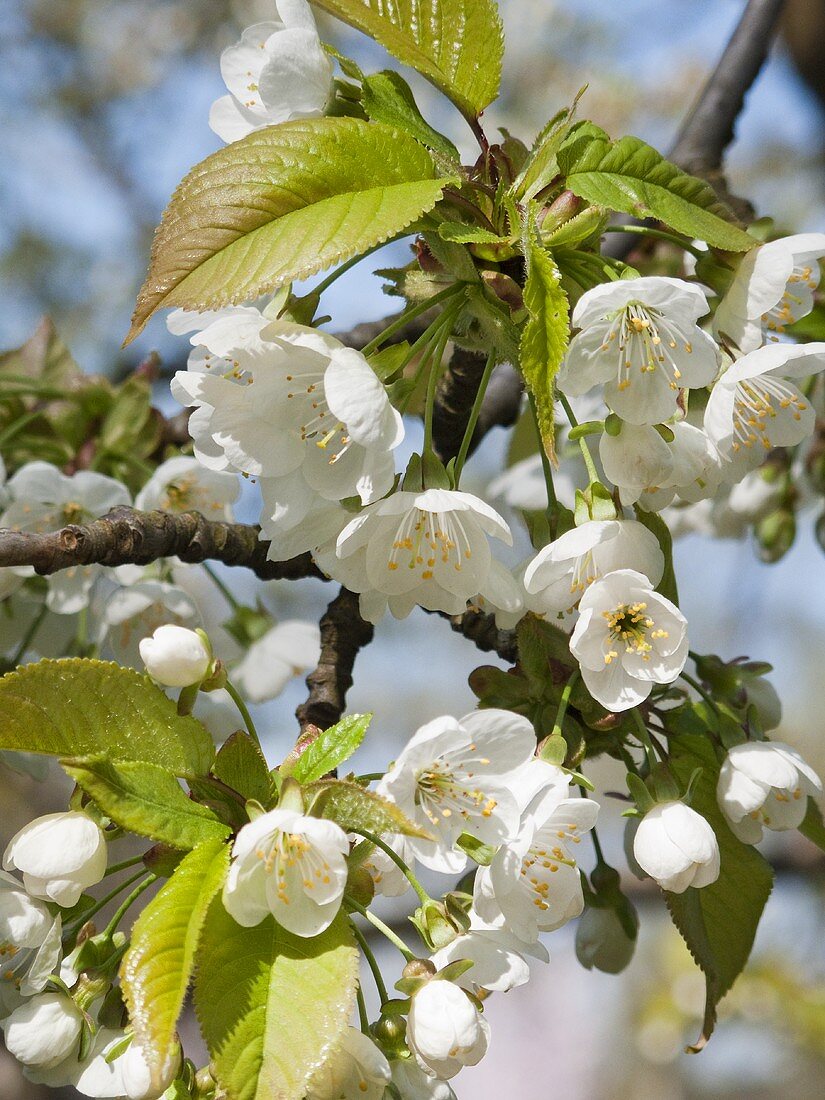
240,765
354,808
544,338
281,204
718,923
146,799
630,176
541,165
157,968
456,44
77,707
388,98
469,234
272,1005
331,748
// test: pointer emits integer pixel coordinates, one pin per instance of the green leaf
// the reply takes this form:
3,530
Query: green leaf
469,234
331,748
146,799
157,968
272,1005
456,44
77,707
240,764
630,176
657,526
718,922
541,166
813,826
281,204
388,98
354,808
544,338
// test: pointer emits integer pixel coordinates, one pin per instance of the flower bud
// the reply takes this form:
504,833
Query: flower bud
435,925
43,1031
602,941
775,534
175,656
677,847
60,855
445,1030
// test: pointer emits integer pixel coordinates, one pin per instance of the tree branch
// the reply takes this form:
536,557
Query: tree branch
481,629
128,537
343,634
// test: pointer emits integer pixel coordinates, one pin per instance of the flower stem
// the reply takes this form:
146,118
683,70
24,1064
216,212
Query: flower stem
121,910
432,381
592,473
711,702
222,587
93,910
384,929
362,1011
235,696
372,962
564,702
428,341
326,283
644,737
658,234
29,636
124,863
410,314
552,499
423,896
469,431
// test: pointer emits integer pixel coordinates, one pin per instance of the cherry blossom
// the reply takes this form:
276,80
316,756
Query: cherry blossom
677,847
765,784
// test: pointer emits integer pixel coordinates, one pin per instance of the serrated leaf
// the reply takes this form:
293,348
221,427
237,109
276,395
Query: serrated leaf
629,175
657,526
468,234
272,1005
544,338
388,98
718,923
331,748
240,764
146,799
541,165
77,707
281,204
157,968
354,808
456,44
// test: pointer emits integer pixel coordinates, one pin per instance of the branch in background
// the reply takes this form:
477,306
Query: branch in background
709,127
481,629
343,634
128,537
456,393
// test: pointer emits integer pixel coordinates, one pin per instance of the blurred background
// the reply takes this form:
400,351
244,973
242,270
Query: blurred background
104,107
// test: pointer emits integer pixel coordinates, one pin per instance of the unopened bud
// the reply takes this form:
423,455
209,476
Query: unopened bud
602,940
775,534
434,924
175,656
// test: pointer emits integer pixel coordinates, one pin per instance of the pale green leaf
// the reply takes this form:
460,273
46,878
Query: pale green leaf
331,748
718,922
630,176
469,234
272,1005
240,764
456,44
544,338
354,808
146,799
281,204
541,166
78,707
388,98
157,968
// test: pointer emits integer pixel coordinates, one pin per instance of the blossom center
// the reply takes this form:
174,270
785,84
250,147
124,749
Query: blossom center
424,538
543,860
441,794
646,341
791,306
630,626
759,401
318,425
295,863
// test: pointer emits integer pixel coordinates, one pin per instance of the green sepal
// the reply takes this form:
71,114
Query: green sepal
477,850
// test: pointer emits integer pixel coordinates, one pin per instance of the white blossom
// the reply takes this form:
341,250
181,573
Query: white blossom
561,572
414,1084
628,638
60,855
429,548
29,944
773,287
677,847
497,955
126,1076
696,471
445,1030
765,784
287,650
387,877
502,597
290,866
754,406
453,776
533,883
355,1069
277,72
292,406
183,484
639,337
44,1031
133,612
44,499
636,459
175,656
